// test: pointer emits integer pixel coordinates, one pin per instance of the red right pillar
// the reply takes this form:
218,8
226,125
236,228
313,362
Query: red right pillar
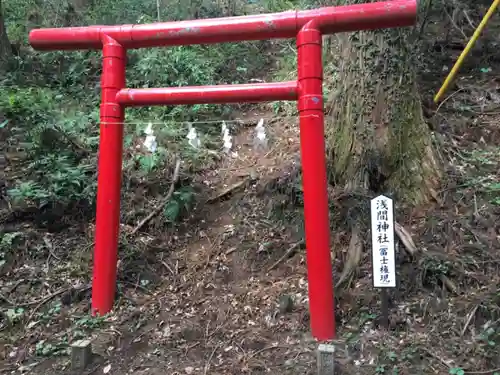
314,180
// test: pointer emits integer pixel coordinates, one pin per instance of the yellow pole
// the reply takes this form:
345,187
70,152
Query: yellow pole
466,51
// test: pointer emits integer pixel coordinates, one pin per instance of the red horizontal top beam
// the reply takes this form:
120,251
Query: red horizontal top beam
395,13
247,93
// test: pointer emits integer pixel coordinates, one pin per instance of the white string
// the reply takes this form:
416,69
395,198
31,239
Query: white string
210,122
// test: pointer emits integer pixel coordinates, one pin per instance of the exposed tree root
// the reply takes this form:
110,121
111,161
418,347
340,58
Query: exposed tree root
287,254
406,239
353,257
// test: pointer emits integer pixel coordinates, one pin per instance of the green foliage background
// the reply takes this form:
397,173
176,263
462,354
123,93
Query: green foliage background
51,99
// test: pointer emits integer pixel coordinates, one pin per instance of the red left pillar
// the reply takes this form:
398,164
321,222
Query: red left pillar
109,177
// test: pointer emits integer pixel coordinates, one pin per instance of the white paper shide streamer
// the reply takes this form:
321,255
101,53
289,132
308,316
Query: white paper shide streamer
260,139
227,139
223,128
192,137
150,141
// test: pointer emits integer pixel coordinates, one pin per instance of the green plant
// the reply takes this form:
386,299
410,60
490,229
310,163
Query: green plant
456,371
490,336
6,244
8,239
181,201
392,356
365,317
44,348
482,178
90,322
54,309
14,314
64,182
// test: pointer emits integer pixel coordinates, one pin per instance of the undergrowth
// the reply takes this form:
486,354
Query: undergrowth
483,179
51,99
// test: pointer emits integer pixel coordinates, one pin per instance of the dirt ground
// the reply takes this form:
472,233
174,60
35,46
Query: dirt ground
222,293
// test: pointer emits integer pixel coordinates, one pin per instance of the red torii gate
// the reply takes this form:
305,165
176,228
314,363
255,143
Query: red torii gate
308,27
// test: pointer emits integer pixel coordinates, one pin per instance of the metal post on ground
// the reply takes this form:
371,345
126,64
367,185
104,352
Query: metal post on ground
326,359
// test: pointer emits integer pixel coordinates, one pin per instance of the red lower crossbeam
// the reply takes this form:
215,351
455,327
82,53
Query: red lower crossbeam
248,93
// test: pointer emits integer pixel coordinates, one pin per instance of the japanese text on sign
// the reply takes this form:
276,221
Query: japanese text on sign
383,256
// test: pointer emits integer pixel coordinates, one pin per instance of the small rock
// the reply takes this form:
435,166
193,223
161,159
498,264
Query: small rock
167,331
189,370
286,304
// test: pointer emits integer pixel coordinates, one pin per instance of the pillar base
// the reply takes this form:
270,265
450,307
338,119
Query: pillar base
326,359
81,354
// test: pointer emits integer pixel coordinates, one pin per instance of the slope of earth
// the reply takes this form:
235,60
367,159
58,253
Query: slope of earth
217,290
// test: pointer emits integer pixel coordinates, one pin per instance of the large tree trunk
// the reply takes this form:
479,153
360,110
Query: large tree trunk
5,48
378,139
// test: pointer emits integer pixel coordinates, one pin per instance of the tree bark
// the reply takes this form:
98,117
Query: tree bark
377,139
5,48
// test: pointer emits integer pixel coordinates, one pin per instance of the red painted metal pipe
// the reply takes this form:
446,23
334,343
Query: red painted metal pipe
386,14
249,93
109,178
314,182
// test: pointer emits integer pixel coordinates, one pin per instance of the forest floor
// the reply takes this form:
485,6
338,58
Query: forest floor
209,296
